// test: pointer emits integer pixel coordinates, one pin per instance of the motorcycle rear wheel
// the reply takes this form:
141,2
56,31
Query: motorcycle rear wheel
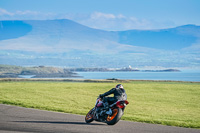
115,117
89,116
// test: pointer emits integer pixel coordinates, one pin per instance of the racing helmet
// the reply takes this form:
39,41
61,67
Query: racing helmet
119,86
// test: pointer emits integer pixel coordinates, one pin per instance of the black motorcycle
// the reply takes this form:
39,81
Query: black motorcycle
110,116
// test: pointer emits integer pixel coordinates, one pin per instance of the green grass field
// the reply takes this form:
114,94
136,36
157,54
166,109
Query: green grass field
167,103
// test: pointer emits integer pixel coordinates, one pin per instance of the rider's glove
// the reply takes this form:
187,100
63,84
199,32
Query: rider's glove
101,96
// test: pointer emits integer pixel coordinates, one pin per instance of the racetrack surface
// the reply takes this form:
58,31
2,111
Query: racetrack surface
17,119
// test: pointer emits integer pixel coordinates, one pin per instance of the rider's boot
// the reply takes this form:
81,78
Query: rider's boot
106,105
108,110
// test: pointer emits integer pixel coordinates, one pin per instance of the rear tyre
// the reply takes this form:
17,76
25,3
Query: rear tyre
89,116
115,117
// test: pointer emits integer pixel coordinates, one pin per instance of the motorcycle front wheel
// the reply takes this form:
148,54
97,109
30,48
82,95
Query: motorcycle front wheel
89,116
115,117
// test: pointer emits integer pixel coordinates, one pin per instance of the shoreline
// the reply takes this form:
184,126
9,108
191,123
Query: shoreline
90,80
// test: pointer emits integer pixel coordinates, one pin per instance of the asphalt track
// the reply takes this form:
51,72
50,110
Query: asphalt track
17,119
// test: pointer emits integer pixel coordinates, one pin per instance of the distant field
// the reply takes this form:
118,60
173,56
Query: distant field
167,103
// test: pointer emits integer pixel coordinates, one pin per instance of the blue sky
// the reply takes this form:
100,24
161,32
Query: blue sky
107,14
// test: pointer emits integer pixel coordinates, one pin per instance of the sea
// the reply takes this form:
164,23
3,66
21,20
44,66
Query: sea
172,76
193,76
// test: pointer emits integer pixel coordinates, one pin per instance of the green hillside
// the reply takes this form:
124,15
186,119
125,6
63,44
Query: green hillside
8,71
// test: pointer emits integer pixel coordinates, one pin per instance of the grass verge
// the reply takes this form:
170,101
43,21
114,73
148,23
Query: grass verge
167,103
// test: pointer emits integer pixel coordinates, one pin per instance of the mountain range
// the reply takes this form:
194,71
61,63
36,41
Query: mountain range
67,43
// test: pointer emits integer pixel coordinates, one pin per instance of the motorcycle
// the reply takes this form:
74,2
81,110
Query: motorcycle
110,116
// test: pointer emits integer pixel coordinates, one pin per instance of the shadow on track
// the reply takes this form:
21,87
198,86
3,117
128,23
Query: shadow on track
59,122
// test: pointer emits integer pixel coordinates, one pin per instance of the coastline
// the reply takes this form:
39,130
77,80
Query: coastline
90,80
104,74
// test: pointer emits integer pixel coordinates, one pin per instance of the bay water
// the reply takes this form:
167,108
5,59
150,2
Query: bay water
175,76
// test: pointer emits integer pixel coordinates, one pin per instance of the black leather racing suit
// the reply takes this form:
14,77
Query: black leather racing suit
119,94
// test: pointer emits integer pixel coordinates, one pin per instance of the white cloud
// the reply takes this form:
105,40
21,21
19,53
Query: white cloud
5,12
27,14
109,21
12,14
99,15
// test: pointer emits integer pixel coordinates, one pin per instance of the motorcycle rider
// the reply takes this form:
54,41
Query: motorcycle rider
119,94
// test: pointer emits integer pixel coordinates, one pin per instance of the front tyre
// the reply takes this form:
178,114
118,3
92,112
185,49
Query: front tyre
115,117
89,116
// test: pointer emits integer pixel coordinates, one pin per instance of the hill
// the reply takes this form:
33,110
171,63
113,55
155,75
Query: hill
166,39
67,43
8,71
